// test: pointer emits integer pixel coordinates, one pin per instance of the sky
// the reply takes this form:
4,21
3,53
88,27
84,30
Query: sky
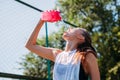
17,22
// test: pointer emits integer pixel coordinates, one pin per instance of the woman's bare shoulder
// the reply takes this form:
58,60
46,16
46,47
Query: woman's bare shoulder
56,51
90,58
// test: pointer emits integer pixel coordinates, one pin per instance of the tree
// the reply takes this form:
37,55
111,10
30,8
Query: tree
102,19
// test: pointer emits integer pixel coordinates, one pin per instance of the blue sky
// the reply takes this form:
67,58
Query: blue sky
16,24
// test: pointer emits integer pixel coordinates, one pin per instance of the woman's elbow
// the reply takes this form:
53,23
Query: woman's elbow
29,46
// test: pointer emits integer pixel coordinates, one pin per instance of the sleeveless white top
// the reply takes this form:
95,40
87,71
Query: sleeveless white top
65,68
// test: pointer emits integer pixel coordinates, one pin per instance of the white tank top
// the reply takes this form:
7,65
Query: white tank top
65,68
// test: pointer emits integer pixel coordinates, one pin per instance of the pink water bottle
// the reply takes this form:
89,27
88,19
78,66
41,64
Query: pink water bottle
51,16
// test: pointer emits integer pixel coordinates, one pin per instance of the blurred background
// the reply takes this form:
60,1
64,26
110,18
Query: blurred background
17,21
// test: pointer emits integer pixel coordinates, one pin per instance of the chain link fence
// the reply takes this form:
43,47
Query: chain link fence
16,24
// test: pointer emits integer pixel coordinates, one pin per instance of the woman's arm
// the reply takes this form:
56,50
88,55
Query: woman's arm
48,53
92,67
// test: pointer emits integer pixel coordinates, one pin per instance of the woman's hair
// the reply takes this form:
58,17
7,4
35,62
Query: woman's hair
86,46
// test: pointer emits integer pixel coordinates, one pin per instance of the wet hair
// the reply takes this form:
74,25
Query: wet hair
86,46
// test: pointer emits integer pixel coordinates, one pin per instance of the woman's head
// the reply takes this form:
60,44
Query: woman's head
86,46
86,35
80,36
73,34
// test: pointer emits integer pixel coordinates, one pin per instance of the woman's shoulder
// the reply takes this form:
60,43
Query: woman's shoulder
90,58
92,66
89,61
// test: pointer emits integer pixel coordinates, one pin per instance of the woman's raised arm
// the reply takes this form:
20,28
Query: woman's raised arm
48,53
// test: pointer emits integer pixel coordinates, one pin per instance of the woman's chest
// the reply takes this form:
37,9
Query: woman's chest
65,66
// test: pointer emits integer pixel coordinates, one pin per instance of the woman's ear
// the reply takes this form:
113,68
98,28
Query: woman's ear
80,37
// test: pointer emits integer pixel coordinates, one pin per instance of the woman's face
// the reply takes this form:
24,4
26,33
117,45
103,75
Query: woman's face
73,34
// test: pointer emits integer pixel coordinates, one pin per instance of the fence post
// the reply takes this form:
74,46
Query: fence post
48,61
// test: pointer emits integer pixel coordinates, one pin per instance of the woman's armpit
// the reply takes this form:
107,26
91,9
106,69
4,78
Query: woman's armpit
56,52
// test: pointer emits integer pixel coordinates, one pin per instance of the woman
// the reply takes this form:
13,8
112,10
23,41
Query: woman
76,62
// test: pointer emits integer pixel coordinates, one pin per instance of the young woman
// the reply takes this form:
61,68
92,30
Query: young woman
76,62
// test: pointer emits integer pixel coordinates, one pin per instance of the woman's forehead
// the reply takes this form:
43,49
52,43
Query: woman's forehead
79,30
76,29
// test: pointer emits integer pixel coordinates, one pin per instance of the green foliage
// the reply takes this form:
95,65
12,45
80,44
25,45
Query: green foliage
56,40
114,71
33,65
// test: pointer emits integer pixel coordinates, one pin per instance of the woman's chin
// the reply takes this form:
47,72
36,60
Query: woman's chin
65,37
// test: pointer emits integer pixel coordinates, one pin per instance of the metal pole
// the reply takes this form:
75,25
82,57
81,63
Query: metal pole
29,5
48,61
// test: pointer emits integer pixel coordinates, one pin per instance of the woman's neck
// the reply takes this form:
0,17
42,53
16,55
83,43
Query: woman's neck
70,46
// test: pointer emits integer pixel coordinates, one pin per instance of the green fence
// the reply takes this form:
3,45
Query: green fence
19,77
